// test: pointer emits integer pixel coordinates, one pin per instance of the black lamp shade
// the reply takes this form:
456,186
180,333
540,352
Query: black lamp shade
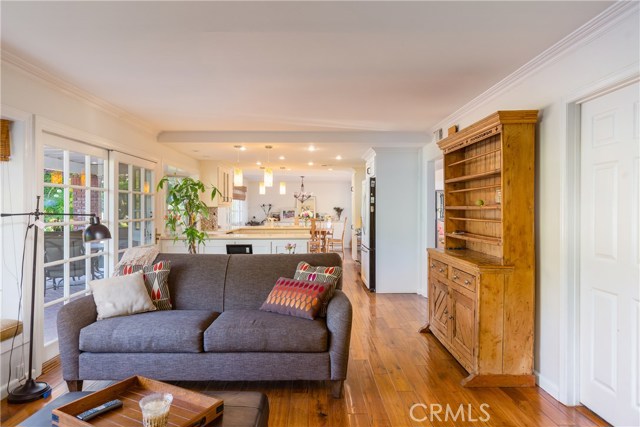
96,231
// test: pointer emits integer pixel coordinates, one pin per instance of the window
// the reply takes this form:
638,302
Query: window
74,181
135,205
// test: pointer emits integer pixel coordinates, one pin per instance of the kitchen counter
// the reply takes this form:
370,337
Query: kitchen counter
264,240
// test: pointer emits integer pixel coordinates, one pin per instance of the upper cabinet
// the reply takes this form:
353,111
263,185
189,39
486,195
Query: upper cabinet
370,163
220,176
488,177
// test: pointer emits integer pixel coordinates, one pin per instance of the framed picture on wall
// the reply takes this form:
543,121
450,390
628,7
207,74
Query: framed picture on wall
288,214
307,205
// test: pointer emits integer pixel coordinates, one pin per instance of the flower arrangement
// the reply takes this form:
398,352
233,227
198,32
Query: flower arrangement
290,248
306,214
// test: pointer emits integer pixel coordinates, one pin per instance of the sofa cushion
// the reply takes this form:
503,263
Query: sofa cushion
260,331
176,331
250,278
196,282
296,298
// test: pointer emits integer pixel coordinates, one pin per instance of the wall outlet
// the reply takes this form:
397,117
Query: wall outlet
18,371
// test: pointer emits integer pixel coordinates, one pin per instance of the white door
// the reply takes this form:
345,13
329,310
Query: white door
610,257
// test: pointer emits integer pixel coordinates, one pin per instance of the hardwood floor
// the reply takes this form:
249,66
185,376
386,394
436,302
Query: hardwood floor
391,368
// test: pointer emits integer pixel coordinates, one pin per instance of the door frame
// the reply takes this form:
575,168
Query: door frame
569,341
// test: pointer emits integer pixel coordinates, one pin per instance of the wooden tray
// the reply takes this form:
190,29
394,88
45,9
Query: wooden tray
189,409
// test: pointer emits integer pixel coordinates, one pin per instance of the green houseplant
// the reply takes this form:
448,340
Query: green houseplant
186,208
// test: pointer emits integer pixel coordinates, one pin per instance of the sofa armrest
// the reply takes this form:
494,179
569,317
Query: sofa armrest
72,318
339,318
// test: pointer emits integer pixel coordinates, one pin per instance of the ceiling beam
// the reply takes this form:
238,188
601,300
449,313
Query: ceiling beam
367,137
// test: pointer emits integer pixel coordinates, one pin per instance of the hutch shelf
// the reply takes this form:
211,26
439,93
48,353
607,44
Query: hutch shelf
481,285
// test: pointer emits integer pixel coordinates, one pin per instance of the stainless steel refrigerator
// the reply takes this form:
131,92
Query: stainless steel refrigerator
368,243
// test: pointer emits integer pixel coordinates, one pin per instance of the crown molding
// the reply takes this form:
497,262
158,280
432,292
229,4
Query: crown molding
61,85
594,28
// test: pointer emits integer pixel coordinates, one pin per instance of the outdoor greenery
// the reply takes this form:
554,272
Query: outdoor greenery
185,209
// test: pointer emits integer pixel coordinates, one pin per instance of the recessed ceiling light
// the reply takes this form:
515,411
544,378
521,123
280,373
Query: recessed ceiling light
310,163
281,157
330,169
312,148
240,147
338,157
258,163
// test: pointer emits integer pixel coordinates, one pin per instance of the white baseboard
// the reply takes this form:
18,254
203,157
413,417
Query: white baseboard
547,385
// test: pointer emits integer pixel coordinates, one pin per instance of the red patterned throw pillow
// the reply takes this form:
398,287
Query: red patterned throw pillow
296,298
326,275
156,280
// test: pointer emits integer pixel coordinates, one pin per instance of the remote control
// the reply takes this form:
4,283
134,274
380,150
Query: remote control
94,412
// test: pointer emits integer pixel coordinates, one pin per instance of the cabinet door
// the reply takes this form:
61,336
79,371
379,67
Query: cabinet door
462,329
439,308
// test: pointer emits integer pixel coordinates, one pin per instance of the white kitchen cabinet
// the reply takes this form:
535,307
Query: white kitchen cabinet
225,186
220,176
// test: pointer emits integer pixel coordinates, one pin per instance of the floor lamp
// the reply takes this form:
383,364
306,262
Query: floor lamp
31,389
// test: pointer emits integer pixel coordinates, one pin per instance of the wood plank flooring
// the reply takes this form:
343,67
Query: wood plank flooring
391,368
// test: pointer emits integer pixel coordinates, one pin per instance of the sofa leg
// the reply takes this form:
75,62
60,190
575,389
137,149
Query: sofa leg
74,385
336,388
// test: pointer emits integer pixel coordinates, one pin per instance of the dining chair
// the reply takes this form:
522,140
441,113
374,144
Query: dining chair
336,242
316,242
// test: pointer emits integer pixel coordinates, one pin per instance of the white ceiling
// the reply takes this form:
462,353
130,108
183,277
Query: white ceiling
341,75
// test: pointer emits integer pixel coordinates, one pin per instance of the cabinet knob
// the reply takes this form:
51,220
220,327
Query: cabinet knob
450,317
455,277
441,270
433,266
467,282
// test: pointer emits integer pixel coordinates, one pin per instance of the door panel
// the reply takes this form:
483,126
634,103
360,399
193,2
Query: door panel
462,336
440,307
609,267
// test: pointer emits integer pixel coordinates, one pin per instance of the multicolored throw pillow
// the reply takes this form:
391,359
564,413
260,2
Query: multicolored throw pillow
156,279
326,275
296,298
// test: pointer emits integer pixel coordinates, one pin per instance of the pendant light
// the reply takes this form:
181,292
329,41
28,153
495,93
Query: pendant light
262,190
268,172
283,184
237,172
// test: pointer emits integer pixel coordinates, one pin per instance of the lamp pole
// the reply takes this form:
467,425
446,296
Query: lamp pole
31,389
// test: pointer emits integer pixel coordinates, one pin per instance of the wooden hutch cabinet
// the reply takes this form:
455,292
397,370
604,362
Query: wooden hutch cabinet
482,284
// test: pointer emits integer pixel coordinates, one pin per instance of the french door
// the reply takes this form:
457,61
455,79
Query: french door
135,202
74,179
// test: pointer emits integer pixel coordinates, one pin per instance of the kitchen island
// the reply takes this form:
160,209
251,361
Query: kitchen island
263,240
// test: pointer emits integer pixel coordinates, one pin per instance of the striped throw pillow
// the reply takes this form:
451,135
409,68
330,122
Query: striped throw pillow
319,274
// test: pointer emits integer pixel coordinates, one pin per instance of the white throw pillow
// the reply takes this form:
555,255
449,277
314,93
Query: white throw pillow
121,296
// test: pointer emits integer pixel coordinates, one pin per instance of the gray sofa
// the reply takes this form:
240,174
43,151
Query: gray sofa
215,331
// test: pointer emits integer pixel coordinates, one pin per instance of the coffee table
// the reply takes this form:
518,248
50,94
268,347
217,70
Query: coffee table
241,409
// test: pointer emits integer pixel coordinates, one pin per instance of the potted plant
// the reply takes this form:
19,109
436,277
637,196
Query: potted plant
186,208
338,211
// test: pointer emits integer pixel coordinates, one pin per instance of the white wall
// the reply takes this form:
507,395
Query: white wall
329,194
398,206
614,51
33,96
